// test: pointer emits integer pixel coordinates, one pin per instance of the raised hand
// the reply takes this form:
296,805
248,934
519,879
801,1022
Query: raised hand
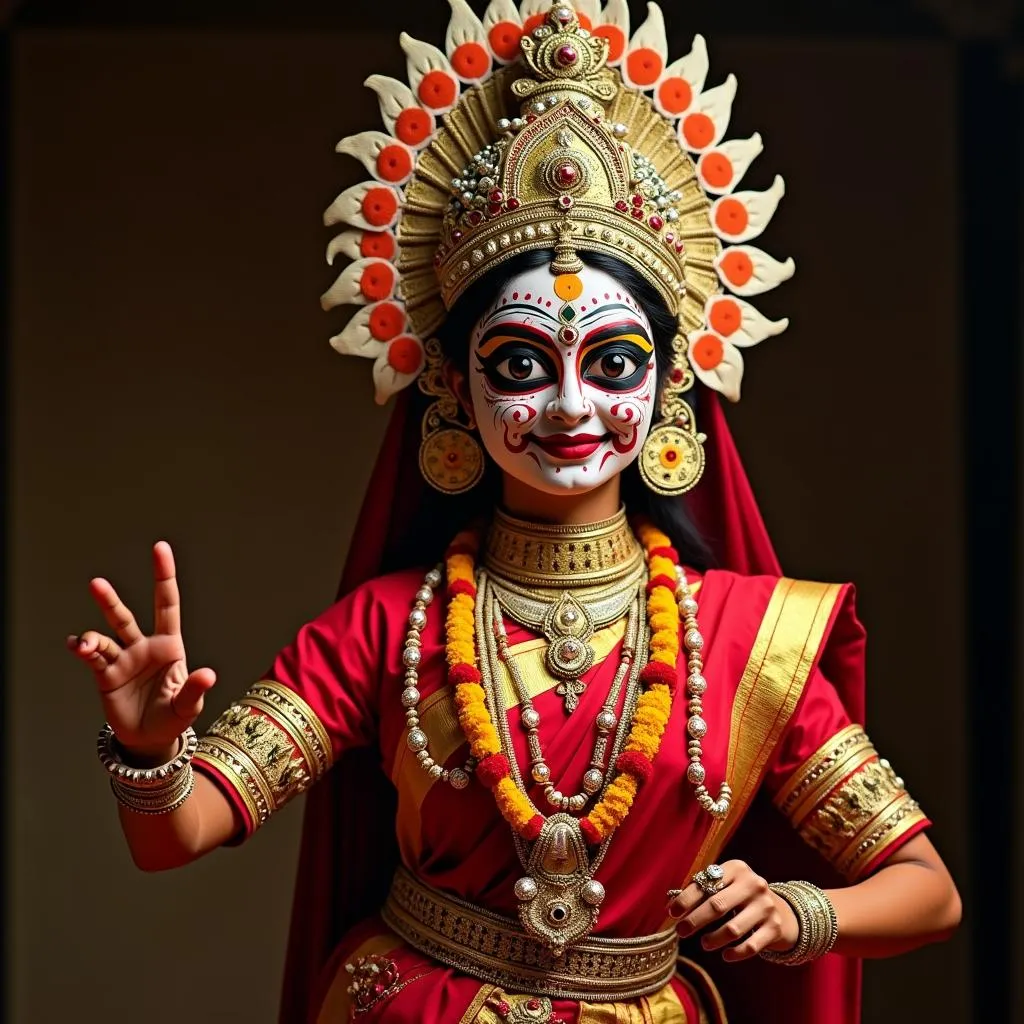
148,694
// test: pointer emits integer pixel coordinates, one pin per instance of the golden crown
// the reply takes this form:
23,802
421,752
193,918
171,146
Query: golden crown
558,130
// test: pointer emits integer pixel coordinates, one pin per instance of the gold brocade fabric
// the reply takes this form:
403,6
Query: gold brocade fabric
848,804
269,746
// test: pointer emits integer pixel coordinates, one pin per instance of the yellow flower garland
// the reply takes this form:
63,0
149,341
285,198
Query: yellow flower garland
649,719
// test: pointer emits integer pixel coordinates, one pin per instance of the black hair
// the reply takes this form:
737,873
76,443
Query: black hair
669,514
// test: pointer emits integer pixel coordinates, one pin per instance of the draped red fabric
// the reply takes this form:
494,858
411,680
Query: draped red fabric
348,851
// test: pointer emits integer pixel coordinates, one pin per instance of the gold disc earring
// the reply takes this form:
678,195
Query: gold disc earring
451,458
672,458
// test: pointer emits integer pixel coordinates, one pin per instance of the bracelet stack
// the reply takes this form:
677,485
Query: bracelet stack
157,790
816,917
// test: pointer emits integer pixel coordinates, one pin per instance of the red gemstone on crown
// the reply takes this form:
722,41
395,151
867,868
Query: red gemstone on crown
680,247
638,214
475,216
513,203
533,1004
621,205
567,174
496,196
669,237
656,222
493,209
676,376
566,56
638,200
565,202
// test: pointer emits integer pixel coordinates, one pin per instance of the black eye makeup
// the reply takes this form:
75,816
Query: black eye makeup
617,358
513,360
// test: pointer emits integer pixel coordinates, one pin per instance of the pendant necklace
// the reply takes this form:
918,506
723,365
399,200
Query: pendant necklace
559,898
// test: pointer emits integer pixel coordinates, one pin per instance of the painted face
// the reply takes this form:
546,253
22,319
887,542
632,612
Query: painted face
563,379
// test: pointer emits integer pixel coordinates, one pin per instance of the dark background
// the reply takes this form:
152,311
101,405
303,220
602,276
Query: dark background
168,376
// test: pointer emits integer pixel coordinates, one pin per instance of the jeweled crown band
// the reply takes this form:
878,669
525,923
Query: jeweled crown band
497,950
562,556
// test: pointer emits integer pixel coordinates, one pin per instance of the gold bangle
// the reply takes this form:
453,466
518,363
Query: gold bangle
817,921
158,800
157,790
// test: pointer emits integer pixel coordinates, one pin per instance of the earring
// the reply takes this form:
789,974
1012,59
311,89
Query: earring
451,459
672,457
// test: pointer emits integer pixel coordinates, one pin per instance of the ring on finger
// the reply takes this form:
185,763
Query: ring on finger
710,879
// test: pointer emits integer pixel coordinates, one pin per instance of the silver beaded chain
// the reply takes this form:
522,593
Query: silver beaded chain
696,685
415,737
606,719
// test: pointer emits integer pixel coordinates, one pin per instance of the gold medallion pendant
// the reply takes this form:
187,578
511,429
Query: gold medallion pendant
568,628
559,898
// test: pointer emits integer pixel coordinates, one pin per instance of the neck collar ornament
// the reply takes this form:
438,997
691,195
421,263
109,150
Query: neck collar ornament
550,127
562,557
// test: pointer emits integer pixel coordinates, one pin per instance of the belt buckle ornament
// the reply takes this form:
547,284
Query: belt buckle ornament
559,898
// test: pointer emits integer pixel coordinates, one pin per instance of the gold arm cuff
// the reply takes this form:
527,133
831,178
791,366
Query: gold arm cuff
496,949
298,719
847,803
270,746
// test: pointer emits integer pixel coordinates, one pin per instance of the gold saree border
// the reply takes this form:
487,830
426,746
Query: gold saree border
784,651
849,804
439,719
269,746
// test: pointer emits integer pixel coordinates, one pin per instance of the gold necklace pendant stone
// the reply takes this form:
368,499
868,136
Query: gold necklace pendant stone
568,627
559,898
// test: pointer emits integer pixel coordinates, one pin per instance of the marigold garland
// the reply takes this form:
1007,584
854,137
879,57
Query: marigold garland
635,764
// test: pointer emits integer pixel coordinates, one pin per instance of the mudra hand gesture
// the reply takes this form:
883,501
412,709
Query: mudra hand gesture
753,917
149,696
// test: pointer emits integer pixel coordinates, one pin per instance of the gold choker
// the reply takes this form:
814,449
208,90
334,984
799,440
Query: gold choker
562,556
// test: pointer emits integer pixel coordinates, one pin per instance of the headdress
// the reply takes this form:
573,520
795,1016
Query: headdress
549,127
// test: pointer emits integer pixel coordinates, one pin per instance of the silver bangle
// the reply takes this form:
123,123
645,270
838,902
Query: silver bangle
157,790
816,917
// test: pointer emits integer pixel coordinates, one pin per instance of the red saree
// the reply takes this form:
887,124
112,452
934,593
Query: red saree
784,662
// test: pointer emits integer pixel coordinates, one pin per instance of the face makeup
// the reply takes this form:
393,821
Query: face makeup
563,379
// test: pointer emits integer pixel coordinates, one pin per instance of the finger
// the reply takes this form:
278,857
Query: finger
115,611
682,904
96,650
166,600
716,906
753,944
187,703
749,918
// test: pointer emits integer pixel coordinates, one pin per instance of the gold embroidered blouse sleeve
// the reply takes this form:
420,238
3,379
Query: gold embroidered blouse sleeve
849,804
266,748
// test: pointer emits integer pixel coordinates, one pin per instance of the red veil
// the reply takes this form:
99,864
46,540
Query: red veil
349,852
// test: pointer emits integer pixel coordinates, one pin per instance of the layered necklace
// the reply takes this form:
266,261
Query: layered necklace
528,573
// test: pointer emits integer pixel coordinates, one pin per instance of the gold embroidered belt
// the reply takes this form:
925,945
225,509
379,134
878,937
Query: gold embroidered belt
496,949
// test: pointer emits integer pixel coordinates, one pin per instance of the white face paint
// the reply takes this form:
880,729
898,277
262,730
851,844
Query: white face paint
562,379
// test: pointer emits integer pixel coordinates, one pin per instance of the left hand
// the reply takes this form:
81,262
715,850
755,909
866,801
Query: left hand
759,918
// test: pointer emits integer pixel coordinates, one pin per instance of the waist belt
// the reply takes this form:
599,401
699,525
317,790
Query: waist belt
496,949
